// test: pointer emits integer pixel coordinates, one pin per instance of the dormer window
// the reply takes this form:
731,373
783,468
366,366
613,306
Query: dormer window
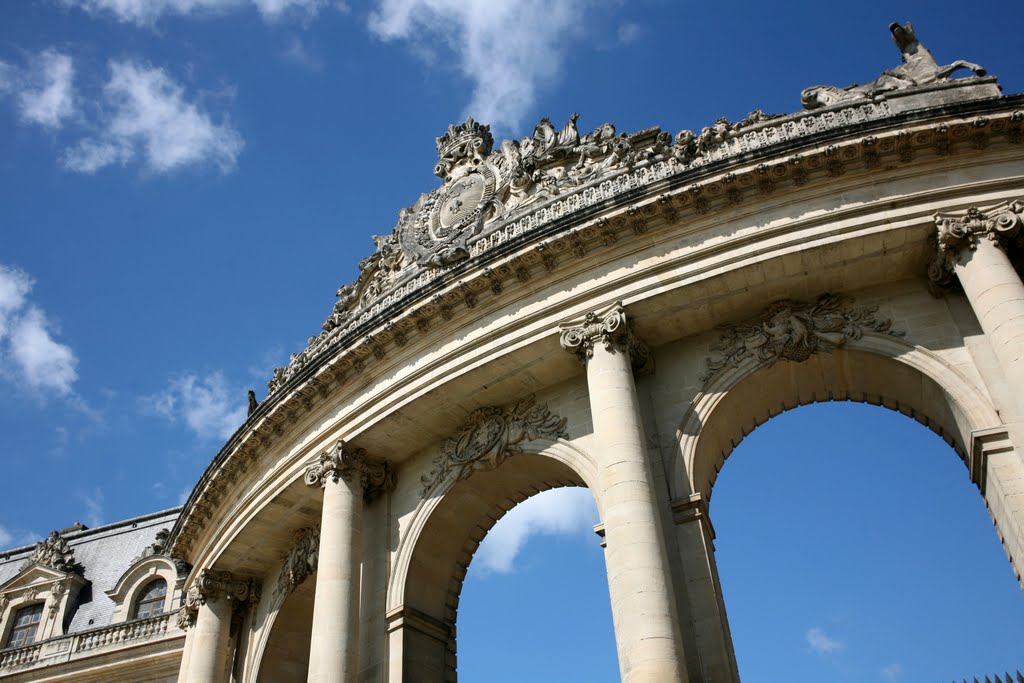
151,601
26,622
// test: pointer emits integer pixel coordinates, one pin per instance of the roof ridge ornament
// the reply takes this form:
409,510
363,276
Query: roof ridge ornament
465,142
918,68
54,552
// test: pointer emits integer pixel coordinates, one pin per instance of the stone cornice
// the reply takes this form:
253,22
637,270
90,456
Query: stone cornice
345,462
643,199
608,328
962,230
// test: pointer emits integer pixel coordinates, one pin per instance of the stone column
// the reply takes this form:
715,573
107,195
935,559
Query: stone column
209,607
348,478
972,247
647,633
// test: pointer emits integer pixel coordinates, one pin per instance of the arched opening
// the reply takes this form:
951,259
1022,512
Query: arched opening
285,657
851,546
534,603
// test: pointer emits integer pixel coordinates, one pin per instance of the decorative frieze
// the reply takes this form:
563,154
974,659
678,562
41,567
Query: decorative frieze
301,561
793,330
611,329
962,230
490,436
342,461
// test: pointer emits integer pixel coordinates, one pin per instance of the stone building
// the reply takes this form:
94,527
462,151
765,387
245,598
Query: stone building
610,310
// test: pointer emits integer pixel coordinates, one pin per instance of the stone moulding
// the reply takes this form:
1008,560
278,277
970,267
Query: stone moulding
489,436
792,330
502,263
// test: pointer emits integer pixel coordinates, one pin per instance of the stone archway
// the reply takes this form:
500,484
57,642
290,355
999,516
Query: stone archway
432,562
285,652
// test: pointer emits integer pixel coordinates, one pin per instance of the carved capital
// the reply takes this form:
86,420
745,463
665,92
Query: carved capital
212,586
964,230
351,464
611,329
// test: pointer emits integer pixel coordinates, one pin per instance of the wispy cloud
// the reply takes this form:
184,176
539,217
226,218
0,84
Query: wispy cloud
12,538
507,50
148,12
29,355
566,512
207,405
45,92
892,672
93,502
822,643
297,53
146,115
629,32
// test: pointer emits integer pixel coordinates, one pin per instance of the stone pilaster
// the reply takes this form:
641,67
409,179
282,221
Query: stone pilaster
210,605
647,633
348,478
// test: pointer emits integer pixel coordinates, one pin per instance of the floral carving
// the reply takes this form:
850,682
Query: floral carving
490,436
964,230
611,329
345,462
301,561
54,552
793,331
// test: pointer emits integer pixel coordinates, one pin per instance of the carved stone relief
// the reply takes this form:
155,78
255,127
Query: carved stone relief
54,552
301,561
793,330
490,436
346,462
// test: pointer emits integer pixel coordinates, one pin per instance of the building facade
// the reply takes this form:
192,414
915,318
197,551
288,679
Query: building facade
608,310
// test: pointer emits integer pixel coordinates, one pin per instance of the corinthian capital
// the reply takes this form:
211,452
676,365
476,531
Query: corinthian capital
351,464
965,229
213,586
609,328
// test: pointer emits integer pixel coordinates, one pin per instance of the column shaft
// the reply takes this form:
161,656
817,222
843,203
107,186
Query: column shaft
211,642
639,581
334,647
997,296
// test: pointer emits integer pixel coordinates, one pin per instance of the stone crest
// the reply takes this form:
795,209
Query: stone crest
792,330
54,552
301,562
490,436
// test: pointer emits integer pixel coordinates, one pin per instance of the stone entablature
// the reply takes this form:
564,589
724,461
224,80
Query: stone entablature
559,196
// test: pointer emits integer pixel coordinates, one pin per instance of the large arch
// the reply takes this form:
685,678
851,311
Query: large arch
445,532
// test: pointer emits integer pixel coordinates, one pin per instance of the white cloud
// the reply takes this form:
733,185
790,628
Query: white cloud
46,95
147,115
892,672
6,538
93,507
508,50
207,405
629,32
147,12
565,511
298,54
10,538
822,643
28,352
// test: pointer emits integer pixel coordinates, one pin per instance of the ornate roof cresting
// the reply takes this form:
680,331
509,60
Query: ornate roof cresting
793,330
918,68
54,552
961,230
489,436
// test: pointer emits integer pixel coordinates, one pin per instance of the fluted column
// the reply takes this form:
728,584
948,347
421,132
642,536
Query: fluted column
209,607
639,580
348,477
972,247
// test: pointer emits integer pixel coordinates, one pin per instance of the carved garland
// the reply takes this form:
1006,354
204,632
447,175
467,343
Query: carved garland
964,229
793,330
490,436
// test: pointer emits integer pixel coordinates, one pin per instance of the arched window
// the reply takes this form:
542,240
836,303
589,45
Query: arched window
151,601
26,622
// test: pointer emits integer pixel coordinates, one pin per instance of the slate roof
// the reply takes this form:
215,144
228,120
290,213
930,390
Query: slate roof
104,553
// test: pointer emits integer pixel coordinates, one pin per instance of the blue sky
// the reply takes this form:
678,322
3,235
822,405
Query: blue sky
185,183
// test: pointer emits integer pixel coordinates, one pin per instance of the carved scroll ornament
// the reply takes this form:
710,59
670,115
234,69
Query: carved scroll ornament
490,436
301,562
793,330
211,586
965,229
54,552
345,462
